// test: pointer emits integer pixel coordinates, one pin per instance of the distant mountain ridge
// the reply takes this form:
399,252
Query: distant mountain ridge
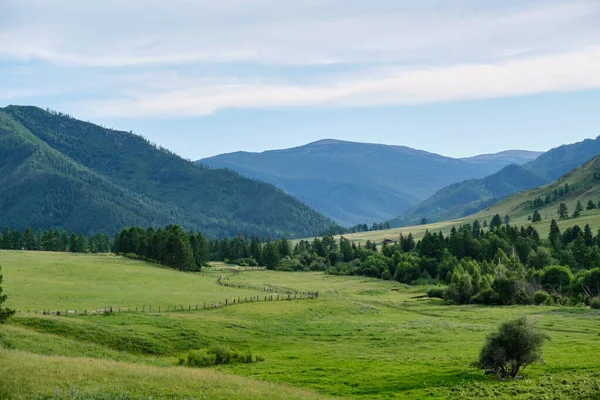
518,157
358,182
470,196
59,172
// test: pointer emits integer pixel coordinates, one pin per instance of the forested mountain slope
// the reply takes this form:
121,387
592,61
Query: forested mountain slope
359,182
467,197
56,171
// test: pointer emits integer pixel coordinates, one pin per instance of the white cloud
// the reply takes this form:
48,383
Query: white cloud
174,59
551,73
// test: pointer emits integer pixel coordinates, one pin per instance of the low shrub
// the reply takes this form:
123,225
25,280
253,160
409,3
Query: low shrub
217,355
199,359
595,303
436,292
486,296
540,297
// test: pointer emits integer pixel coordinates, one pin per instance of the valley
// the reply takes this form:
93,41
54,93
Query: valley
362,338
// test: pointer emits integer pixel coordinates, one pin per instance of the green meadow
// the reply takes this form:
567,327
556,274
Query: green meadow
360,339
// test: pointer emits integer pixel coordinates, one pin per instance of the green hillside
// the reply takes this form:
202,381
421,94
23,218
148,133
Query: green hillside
584,186
470,196
59,172
361,339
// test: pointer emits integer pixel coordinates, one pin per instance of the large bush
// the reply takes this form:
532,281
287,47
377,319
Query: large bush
516,344
216,355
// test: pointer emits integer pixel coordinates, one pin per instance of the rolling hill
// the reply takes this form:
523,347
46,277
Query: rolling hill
359,182
583,184
59,172
468,197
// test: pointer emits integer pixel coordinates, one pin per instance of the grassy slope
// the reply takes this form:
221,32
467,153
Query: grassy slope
518,209
79,282
362,338
468,197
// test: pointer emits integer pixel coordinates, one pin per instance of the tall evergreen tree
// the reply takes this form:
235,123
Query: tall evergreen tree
271,255
536,216
563,211
578,210
7,239
590,205
284,248
496,222
29,239
554,235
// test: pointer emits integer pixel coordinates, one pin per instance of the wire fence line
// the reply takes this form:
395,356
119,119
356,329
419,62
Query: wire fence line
274,295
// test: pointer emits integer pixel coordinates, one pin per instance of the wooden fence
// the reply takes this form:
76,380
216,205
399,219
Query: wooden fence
275,295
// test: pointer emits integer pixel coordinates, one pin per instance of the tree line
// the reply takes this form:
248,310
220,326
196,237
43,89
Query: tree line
53,240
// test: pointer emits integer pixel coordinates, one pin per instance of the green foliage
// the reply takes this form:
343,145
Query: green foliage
595,303
216,355
516,344
540,297
563,211
5,313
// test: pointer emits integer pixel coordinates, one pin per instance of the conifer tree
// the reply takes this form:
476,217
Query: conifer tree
563,211
578,210
29,239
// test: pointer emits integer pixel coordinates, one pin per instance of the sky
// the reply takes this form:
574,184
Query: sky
200,77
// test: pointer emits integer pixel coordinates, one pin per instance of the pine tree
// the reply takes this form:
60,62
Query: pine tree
7,239
29,239
496,222
563,211
578,210
590,205
588,235
284,248
5,313
506,220
73,243
271,255
536,216
554,234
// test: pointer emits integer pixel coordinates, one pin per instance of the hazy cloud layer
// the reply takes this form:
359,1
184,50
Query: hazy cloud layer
185,58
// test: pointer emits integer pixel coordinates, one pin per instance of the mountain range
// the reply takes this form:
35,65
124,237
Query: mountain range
59,172
356,183
470,196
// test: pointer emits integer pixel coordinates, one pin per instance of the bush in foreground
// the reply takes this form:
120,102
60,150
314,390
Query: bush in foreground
217,355
595,303
516,344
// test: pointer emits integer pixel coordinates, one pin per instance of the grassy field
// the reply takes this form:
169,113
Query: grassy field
361,339
80,282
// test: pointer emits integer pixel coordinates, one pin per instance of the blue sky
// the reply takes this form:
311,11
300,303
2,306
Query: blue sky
458,77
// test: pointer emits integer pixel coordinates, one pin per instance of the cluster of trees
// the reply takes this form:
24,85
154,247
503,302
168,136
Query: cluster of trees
53,240
563,211
340,230
551,197
502,264
170,246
